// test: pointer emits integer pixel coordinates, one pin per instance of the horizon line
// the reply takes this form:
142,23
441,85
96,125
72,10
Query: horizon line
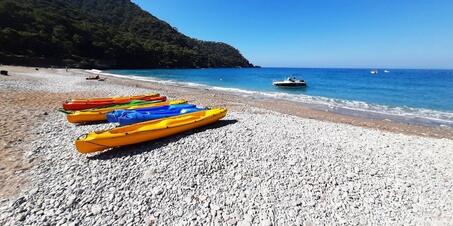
364,68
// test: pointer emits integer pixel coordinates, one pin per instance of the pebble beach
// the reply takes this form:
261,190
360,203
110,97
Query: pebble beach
257,166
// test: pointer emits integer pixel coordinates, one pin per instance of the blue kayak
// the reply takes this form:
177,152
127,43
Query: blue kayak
116,114
140,115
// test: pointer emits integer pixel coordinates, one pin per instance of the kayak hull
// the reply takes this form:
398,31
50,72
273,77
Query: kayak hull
81,104
102,99
146,131
98,115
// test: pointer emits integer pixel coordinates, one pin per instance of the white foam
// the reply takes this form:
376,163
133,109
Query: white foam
94,71
419,114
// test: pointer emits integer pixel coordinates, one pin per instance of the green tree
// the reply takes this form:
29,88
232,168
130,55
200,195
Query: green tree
104,34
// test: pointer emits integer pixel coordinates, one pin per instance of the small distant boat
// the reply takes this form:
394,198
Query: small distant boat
374,71
290,82
386,71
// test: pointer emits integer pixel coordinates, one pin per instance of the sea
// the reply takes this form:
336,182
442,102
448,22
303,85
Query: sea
411,96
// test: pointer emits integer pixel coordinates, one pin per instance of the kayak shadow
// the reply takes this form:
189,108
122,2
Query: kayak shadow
136,149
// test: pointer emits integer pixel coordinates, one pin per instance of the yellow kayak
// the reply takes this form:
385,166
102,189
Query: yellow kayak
147,131
100,114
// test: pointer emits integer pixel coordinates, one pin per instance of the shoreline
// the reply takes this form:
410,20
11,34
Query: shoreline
289,107
399,114
255,166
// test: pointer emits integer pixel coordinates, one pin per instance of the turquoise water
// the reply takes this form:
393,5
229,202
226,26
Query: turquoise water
414,93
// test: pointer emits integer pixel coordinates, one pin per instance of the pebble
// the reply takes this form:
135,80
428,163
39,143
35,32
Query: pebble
96,209
20,217
244,223
266,222
214,207
157,191
71,200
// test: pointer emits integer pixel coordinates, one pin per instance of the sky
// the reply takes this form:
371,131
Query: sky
323,33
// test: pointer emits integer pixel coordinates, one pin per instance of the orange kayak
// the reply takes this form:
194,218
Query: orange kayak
82,104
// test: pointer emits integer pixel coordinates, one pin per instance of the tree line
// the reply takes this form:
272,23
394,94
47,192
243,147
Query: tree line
101,34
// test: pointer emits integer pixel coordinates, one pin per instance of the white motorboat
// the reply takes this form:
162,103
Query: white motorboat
290,82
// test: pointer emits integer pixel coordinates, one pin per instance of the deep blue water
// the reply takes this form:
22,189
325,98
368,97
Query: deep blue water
400,89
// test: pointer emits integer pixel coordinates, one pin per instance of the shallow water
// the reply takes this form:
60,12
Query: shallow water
421,95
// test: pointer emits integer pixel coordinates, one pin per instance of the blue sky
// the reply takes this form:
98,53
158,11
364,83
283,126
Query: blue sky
324,33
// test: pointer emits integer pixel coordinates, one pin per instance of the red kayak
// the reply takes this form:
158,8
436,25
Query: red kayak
82,105
102,99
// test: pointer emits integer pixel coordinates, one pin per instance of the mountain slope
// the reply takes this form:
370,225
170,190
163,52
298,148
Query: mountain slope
102,34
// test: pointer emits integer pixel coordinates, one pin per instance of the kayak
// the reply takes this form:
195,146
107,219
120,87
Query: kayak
114,116
100,114
80,104
137,97
127,117
136,117
146,131
88,105
113,107
120,106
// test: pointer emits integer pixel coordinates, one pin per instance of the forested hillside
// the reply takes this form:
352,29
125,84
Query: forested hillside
101,34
